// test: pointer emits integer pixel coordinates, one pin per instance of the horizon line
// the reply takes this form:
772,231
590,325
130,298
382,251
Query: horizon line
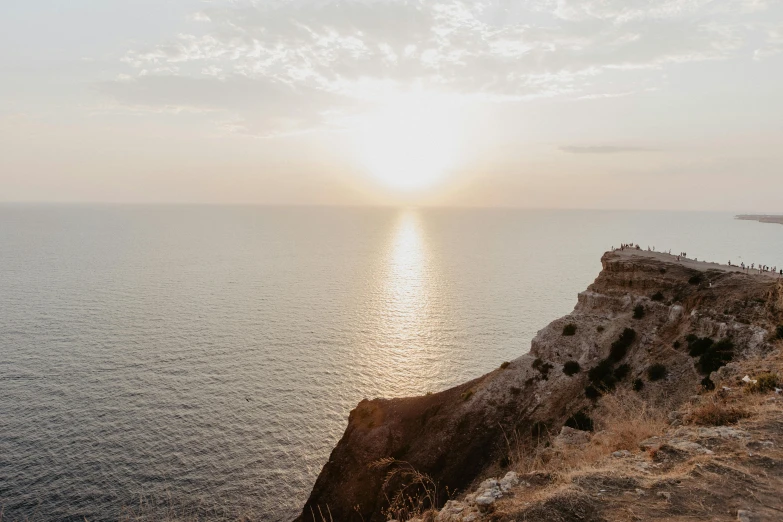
371,206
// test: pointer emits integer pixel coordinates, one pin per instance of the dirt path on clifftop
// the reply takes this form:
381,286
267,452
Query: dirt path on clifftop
630,253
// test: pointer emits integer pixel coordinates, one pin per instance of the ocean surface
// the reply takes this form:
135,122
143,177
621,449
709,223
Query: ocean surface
195,356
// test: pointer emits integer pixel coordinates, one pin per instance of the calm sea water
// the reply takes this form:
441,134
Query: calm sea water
212,354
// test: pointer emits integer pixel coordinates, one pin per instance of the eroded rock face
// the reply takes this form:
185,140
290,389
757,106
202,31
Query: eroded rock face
460,434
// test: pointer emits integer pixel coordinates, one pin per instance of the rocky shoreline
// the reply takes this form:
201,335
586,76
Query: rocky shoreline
634,331
762,218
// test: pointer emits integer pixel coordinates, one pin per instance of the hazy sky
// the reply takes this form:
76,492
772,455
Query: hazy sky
673,104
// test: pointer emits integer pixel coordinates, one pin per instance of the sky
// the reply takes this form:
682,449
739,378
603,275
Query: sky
649,104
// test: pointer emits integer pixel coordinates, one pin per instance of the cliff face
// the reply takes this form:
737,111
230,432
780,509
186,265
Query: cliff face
459,435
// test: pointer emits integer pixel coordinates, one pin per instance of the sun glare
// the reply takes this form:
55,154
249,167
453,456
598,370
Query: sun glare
410,143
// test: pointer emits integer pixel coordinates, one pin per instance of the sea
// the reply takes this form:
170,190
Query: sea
204,359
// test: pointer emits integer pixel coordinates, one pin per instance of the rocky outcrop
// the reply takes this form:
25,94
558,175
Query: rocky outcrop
459,435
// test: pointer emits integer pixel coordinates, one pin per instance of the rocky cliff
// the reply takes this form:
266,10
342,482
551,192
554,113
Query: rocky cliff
648,322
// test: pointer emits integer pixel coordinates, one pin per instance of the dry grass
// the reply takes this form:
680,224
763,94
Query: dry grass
622,420
695,486
414,494
716,411
766,382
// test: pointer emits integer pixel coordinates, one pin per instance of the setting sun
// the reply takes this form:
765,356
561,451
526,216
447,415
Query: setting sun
410,143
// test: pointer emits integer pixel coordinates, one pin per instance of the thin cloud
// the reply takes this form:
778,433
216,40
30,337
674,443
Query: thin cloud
359,51
604,149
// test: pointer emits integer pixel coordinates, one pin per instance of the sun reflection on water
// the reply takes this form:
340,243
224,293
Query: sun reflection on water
406,286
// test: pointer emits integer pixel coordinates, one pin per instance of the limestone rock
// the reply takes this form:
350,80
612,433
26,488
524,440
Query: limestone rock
571,437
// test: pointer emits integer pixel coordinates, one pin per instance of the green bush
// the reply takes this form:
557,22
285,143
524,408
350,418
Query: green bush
698,345
716,356
622,371
620,346
656,372
571,368
602,376
599,329
542,367
638,384
504,365
657,296
580,421
638,312
696,279
569,329
592,393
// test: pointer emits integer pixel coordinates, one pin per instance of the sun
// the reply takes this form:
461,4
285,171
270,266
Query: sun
409,143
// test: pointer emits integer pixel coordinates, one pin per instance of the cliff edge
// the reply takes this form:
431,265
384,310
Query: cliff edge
659,329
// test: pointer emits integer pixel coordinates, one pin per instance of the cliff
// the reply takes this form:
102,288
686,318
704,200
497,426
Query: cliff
638,326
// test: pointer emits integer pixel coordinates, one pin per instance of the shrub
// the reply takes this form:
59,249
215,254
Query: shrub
638,312
662,270
622,371
638,384
676,344
467,394
779,331
696,279
620,346
600,329
657,296
580,421
717,413
592,393
717,355
539,429
656,372
765,382
697,346
602,376
571,368
504,365
569,329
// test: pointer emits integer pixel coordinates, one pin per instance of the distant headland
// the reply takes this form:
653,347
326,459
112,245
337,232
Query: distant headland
762,218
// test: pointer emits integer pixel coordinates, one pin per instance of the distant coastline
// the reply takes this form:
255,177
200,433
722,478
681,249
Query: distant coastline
762,218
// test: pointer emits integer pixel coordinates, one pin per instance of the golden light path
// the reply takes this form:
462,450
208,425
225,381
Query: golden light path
406,283
405,318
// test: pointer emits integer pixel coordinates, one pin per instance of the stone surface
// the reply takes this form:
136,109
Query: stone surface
571,437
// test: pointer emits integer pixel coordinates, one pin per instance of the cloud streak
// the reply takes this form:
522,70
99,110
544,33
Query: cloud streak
309,59
604,149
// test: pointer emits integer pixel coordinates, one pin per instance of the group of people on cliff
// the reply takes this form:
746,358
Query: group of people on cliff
762,269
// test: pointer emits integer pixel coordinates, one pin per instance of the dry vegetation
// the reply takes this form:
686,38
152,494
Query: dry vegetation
414,493
686,470
621,421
